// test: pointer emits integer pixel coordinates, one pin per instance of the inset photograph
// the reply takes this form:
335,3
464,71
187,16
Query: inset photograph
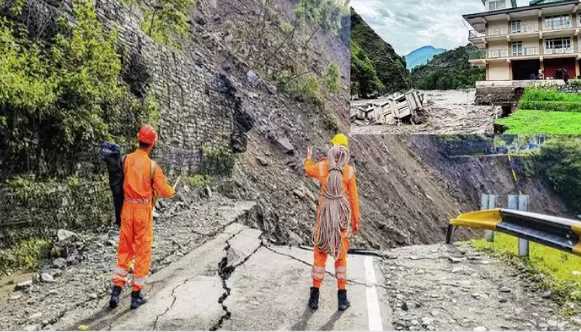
471,67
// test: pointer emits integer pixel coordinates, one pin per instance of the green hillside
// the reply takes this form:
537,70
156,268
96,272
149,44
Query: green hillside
376,67
449,70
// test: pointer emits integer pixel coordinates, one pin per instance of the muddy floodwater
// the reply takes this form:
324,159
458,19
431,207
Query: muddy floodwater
449,112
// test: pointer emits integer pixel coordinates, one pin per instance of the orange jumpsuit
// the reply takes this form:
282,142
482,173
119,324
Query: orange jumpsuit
320,171
136,235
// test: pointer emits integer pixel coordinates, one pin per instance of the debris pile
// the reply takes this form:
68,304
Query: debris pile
406,108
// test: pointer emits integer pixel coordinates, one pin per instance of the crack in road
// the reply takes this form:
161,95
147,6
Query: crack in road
173,294
225,271
327,272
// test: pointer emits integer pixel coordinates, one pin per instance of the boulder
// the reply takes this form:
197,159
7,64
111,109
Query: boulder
23,285
64,235
46,277
286,145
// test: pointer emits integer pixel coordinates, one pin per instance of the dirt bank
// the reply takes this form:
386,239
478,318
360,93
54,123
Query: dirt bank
411,186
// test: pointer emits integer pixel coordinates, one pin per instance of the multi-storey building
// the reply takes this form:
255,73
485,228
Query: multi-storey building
522,43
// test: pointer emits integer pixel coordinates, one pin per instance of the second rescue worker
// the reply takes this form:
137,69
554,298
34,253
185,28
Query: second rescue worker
143,182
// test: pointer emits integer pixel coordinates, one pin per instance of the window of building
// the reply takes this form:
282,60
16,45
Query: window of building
497,4
558,22
516,26
558,43
517,49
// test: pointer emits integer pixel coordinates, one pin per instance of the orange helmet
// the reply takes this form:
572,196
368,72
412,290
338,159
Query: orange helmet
147,135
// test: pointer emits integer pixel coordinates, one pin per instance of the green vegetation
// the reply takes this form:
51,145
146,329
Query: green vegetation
333,78
559,162
549,94
540,122
559,270
551,106
545,110
217,161
550,99
449,70
304,87
25,256
376,68
198,180
364,79
166,21
323,14
65,95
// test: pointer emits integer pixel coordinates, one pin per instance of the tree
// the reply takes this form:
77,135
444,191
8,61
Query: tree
167,19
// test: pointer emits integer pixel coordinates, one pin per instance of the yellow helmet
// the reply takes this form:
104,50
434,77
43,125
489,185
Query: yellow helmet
340,139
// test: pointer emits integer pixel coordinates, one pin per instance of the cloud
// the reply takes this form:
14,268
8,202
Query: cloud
411,24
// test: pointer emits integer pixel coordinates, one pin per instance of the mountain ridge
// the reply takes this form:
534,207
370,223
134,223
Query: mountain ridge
422,56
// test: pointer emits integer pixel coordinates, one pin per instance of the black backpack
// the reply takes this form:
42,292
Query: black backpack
111,155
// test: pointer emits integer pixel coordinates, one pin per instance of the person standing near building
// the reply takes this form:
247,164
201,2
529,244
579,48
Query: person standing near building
338,207
143,182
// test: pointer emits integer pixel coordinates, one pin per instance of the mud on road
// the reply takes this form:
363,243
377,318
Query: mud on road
449,112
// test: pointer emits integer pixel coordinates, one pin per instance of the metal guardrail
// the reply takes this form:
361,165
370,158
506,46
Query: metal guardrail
556,232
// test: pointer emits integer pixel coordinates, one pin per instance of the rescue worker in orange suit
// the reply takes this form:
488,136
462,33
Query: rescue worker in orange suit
143,182
338,207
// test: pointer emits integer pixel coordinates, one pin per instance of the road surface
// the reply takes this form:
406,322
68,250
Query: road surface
238,282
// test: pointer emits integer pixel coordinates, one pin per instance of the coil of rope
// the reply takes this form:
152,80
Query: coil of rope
334,212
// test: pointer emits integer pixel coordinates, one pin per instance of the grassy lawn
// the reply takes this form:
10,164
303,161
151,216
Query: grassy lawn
540,122
562,271
544,94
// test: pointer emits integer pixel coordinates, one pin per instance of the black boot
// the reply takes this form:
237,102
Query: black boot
137,300
115,294
343,302
314,299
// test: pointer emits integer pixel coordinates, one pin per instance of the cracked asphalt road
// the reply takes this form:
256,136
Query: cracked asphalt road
249,285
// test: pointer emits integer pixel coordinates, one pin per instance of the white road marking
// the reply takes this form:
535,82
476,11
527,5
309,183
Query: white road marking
373,309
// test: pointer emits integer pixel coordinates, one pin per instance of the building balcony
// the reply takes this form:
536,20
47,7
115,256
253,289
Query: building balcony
517,54
557,26
526,51
476,37
497,32
488,54
559,51
525,28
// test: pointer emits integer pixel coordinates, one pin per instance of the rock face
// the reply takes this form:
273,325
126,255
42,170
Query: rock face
196,106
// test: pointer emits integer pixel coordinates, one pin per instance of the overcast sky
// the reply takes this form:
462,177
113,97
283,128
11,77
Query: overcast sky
411,24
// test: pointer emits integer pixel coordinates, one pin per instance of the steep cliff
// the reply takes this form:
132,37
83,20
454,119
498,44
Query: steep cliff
377,68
